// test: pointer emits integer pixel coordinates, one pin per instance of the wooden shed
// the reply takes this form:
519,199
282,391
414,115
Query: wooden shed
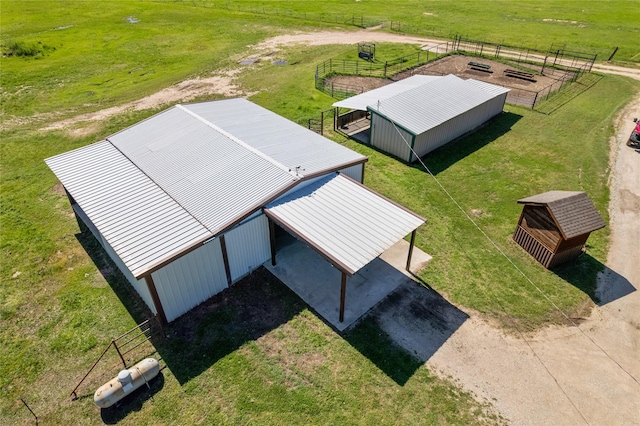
554,226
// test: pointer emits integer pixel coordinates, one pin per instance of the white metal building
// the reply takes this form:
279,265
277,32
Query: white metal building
422,113
186,202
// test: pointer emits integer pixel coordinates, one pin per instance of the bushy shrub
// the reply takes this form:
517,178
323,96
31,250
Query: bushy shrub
26,49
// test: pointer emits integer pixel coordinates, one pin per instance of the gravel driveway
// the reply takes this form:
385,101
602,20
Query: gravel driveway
560,375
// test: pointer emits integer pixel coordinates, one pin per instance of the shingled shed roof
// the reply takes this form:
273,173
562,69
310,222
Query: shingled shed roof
573,211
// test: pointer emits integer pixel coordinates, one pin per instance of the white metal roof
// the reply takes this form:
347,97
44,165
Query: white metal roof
281,139
362,101
211,175
433,103
138,219
168,183
349,234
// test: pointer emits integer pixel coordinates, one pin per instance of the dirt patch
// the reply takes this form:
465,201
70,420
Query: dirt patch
459,66
298,366
185,91
58,189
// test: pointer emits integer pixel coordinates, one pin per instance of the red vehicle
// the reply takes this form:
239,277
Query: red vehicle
634,139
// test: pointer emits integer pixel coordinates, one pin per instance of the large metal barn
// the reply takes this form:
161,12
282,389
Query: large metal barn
186,202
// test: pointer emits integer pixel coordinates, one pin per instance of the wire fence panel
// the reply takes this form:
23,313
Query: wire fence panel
564,66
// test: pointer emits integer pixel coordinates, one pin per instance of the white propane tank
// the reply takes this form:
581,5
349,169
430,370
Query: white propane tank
126,382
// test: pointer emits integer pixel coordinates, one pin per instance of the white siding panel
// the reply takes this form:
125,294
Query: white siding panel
248,246
389,138
83,216
139,285
458,126
354,172
191,279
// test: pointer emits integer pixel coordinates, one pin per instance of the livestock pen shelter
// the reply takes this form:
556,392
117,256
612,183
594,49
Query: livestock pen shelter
186,202
554,226
414,116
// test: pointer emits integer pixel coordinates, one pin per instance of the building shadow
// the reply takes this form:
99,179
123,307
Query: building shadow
444,157
398,335
405,329
612,286
249,309
195,341
132,402
113,276
603,285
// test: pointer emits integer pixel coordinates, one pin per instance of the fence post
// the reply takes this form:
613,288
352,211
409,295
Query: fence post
115,345
385,68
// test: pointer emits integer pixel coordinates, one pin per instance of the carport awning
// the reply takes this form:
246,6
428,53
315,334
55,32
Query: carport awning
347,223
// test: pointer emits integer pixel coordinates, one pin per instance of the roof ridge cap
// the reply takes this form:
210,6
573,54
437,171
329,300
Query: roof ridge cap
294,173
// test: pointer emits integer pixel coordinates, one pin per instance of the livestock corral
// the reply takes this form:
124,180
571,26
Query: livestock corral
528,84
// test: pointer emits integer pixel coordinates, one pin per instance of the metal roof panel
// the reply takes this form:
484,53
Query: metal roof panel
277,137
139,220
347,222
362,101
211,175
431,104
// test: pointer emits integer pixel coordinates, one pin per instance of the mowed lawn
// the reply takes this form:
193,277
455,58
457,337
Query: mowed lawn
61,302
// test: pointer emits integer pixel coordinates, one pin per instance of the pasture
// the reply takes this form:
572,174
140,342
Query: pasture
61,302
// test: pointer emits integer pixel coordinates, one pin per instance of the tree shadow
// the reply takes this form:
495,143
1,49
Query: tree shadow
444,157
132,402
602,284
405,329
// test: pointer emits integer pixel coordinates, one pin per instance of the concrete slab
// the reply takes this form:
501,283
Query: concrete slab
318,283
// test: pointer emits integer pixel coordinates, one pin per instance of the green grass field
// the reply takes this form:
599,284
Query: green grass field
58,311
